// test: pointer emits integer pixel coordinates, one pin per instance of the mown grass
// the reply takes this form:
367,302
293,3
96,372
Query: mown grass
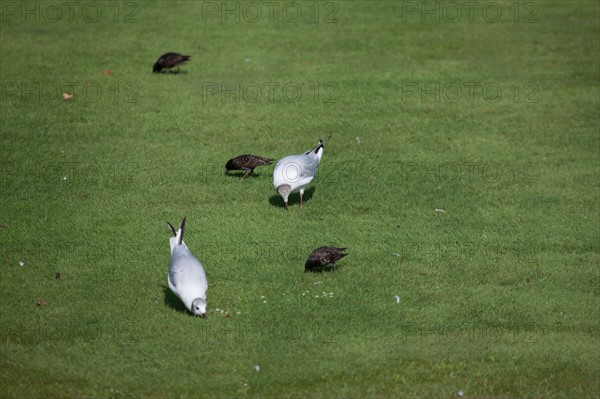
499,288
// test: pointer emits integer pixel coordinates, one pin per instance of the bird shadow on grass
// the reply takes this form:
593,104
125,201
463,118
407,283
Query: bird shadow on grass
293,199
164,72
326,269
240,175
172,301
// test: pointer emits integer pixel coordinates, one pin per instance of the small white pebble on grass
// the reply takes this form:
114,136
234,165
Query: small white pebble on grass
256,367
439,210
397,254
318,282
461,393
21,263
397,298
357,140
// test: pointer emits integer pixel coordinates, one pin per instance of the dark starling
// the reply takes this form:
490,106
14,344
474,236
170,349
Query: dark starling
324,256
246,163
169,60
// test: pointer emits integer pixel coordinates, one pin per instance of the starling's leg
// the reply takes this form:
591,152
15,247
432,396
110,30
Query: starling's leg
247,172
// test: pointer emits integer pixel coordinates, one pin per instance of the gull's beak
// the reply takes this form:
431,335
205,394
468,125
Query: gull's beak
203,315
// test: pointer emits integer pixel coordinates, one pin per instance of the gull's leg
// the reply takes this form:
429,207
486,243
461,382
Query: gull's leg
301,194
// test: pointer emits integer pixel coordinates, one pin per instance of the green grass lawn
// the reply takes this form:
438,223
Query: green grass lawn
462,173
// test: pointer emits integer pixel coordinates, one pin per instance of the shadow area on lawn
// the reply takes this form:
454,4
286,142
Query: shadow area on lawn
293,199
326,269
172,301
240,175
164,72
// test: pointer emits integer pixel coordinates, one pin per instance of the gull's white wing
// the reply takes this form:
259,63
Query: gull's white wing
296,170
186,274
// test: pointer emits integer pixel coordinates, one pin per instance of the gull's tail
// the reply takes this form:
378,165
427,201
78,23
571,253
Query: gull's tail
318,150
178,234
